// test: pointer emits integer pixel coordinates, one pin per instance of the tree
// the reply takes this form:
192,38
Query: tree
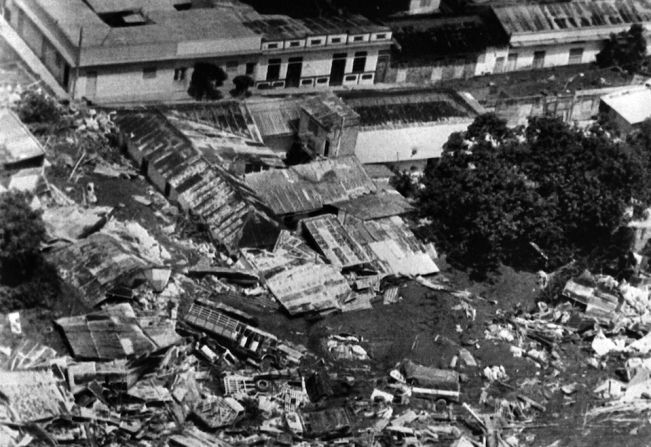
551,184
205,79
242,84
21,233
403,183
36,107
626,50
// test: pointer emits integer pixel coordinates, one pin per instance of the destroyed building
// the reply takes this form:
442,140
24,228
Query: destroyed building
189,176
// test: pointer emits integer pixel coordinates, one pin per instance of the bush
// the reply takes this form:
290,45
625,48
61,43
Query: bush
21,233
626,50
36,107
563,189
242,85
205,79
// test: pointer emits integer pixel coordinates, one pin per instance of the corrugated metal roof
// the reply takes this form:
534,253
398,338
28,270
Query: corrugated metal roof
375,206
329,110
334,242
279,27
275,117
225,203
565,16
308,187
114,333
17,143
308,288
97,264
394,244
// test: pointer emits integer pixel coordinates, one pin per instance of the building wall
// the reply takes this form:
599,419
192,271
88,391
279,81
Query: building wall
318,64
423,6
555,55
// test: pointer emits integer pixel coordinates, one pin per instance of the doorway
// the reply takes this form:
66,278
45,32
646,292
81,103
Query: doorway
294,70
338,69
91,84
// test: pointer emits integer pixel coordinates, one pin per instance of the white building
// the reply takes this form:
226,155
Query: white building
138,50
627,108
563,33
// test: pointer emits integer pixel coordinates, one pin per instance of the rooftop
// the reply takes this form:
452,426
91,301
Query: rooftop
571,16
634,104
17,143
375,206
228,206
172,33
275,116
278,27
308,187
329,110
403,107
445,36
332,240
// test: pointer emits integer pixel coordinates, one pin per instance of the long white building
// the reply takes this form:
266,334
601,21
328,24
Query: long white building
138,50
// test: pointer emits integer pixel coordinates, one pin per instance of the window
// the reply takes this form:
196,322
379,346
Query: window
380,36
273,69
149,72
538,59
336,40
316,42
179,74
322,81
307,82
366,77
351,78
576,55
272,46
294,44
250,67
359,62
358,38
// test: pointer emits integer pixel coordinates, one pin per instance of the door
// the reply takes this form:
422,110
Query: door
499,65
381,67
294,69
338,69
91,84
538,60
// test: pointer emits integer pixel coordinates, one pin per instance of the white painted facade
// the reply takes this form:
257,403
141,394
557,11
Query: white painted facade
144,71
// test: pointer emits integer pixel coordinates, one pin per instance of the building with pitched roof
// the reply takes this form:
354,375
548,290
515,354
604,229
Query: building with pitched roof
136,50
563,33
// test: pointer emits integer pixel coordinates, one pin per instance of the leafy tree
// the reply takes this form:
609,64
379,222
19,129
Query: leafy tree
557,186
206,77
35,106
242,85
626,50
21,232
403,183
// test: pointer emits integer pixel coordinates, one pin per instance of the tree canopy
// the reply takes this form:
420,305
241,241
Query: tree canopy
626,50
497,192
206,77
21,233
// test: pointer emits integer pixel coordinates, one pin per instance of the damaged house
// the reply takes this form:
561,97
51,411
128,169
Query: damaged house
186,171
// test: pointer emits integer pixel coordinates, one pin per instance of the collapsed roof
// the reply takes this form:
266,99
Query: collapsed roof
308,187
116,333
231,210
